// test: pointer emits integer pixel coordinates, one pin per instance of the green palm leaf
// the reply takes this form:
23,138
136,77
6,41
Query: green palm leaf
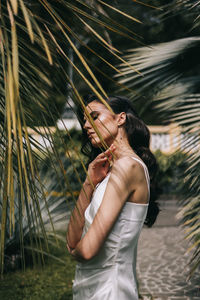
186,7
36,42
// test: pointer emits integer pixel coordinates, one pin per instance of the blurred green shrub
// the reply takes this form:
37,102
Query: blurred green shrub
170,173
61,174
70,140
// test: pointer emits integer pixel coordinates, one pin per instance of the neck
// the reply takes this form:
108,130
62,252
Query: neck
122,148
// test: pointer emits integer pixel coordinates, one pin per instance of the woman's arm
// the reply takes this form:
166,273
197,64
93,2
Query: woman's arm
77,221
125,177
97,171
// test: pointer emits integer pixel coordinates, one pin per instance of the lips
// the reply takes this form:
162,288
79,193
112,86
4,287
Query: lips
90,134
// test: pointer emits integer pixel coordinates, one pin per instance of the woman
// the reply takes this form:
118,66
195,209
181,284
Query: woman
113,204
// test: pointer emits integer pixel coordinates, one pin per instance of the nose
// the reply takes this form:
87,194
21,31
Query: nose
87,125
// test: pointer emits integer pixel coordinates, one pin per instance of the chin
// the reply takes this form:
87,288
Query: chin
98,143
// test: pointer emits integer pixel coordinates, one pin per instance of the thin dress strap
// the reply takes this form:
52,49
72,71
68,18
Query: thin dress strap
146,172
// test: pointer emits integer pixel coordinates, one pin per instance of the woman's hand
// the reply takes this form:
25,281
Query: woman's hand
99,167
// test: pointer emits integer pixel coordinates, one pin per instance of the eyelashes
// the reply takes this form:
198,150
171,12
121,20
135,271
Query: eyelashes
94,116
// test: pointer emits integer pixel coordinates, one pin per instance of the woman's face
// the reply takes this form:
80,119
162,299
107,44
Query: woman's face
105,121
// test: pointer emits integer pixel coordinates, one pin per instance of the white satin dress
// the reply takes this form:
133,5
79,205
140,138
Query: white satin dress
111,275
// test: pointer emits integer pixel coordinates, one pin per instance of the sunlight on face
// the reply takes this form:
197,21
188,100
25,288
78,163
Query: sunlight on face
105,123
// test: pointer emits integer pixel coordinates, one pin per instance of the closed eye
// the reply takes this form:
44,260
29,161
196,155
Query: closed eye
94,115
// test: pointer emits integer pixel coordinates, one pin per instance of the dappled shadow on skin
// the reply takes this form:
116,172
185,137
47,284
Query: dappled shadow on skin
116,192
103,218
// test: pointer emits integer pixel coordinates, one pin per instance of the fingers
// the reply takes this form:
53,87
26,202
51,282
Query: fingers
111,149
108,152
69,248
101,159
104,156
106,164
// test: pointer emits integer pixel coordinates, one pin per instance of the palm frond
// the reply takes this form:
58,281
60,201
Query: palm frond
36,42
160,65
186,7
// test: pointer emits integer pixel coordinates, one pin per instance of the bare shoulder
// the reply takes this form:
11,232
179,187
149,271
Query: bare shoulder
127,163
128,168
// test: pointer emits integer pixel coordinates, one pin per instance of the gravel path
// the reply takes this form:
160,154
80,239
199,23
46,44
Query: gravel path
162,260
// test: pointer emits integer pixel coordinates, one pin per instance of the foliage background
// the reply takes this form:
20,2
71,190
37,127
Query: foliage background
49,78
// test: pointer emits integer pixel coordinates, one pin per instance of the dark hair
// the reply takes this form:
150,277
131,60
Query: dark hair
139,139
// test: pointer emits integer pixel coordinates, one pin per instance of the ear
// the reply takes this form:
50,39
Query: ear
121,118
